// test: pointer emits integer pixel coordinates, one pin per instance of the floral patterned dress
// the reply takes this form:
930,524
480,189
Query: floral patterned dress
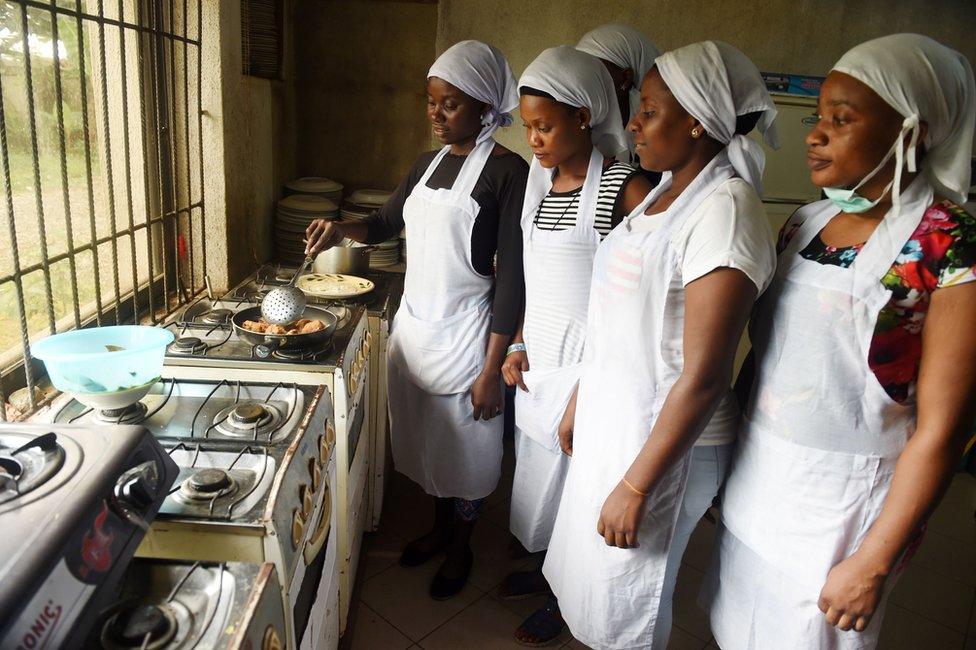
940,253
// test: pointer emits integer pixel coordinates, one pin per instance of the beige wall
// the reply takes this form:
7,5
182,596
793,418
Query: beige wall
359,88
799,36
248,147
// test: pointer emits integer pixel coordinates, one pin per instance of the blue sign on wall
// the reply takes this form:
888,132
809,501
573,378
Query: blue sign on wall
792,84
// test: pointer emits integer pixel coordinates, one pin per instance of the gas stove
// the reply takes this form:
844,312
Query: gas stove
168,605
256,477
105,484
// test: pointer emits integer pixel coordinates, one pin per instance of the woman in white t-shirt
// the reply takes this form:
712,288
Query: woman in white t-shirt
651,426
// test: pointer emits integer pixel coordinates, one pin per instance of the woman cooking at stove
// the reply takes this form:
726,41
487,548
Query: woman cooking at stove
576,194
865,356
460,206
651,425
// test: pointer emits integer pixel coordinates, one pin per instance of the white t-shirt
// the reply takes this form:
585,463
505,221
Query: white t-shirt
728,229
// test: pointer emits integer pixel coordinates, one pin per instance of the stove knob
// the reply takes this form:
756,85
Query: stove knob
315,471
305,496
297,528
271,639
323,450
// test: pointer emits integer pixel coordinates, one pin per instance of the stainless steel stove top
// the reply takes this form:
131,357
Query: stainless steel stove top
205,337
223,411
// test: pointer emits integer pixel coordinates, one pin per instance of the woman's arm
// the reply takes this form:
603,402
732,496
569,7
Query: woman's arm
946,390
509,187
717,307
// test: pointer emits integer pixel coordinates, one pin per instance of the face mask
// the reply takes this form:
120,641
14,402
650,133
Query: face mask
853,203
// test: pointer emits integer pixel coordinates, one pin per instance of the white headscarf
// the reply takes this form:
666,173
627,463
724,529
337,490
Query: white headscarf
626,48
480,71
716,83
924,81
580,80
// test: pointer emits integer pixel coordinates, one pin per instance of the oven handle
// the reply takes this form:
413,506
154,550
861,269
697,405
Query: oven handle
317,541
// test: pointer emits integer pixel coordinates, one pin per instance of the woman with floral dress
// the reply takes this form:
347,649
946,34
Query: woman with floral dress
865,357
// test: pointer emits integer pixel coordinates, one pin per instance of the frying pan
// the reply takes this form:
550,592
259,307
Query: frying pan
266,344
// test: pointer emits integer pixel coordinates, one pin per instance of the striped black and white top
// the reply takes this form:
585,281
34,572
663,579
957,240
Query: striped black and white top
558,210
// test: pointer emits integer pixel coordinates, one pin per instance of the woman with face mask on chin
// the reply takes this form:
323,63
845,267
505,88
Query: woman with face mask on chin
576,193
865,359
461,207
651,426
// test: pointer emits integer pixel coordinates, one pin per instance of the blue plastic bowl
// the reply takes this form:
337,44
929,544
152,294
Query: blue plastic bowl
101,360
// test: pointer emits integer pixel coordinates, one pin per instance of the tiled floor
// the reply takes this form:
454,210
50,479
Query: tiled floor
931,608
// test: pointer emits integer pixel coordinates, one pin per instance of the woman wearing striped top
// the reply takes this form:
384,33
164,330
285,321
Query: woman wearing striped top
576,193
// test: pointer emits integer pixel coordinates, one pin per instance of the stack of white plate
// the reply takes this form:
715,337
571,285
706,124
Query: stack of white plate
386,254
315,186
360,205
293,216
363,202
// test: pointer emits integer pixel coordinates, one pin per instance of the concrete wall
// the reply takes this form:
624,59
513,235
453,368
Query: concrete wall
248,145
359,88
799,36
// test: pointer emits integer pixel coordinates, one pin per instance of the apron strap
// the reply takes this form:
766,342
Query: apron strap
433,165
889,238
586,209
472,167
716,172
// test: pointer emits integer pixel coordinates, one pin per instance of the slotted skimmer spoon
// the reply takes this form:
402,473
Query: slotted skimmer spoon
286,304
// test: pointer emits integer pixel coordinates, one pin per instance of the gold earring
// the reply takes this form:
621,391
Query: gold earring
695,132
582,127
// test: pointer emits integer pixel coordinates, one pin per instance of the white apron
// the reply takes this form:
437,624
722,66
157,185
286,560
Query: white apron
609,596
818,444
438,344
558,266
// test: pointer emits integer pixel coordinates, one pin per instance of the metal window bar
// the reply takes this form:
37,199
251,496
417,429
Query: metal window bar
162,251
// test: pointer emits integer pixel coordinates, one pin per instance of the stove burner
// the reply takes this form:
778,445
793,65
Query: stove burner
298,354
32,466
210,480
255,296
140,626
188,345
207,484
131,414
247,419
217,316
249,414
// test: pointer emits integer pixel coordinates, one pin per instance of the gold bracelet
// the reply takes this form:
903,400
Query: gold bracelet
628,484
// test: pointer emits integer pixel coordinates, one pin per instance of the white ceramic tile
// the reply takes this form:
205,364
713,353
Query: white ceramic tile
950,558
371,632
935,597
484,625
401,596
906,630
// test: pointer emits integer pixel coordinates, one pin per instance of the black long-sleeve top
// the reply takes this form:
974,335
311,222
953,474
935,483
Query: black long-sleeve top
499,191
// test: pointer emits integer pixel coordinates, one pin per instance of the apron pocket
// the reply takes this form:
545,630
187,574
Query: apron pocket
802,509
539,411
442,357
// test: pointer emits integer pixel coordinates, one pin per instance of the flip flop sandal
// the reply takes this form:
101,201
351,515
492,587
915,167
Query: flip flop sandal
521,585
545,624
